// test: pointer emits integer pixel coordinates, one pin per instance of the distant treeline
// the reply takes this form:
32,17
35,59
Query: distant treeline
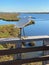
34,12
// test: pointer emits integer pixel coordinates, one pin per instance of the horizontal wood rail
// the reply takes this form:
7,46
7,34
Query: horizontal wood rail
22,61
23,50
25,39
20,50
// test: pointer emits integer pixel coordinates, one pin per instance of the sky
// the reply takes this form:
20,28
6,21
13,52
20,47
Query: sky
24,5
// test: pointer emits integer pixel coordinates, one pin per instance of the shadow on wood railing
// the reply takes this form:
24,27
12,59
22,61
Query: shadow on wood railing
24,50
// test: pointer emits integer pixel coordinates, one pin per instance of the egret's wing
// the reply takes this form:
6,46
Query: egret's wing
30,23
22,22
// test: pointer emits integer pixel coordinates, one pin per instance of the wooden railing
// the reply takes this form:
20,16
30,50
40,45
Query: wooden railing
24,50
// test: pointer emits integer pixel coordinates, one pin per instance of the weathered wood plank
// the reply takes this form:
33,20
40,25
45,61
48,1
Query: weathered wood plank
36,38
28,38
7,40
23,50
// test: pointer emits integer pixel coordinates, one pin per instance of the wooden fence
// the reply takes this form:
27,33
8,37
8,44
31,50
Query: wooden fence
24,50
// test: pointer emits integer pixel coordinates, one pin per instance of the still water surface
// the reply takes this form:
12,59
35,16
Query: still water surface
41,26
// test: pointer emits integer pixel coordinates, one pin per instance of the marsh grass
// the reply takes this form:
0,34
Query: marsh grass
7,31
9,16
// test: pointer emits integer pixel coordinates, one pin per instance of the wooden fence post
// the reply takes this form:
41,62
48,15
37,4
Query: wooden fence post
18,45
18,56
44,62
46,53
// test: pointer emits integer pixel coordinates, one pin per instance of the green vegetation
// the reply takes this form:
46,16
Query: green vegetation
9,16
8,31
33,63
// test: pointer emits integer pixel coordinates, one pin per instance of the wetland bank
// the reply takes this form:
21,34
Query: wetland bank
9,16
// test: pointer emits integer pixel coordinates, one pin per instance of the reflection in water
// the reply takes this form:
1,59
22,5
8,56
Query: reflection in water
41,26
